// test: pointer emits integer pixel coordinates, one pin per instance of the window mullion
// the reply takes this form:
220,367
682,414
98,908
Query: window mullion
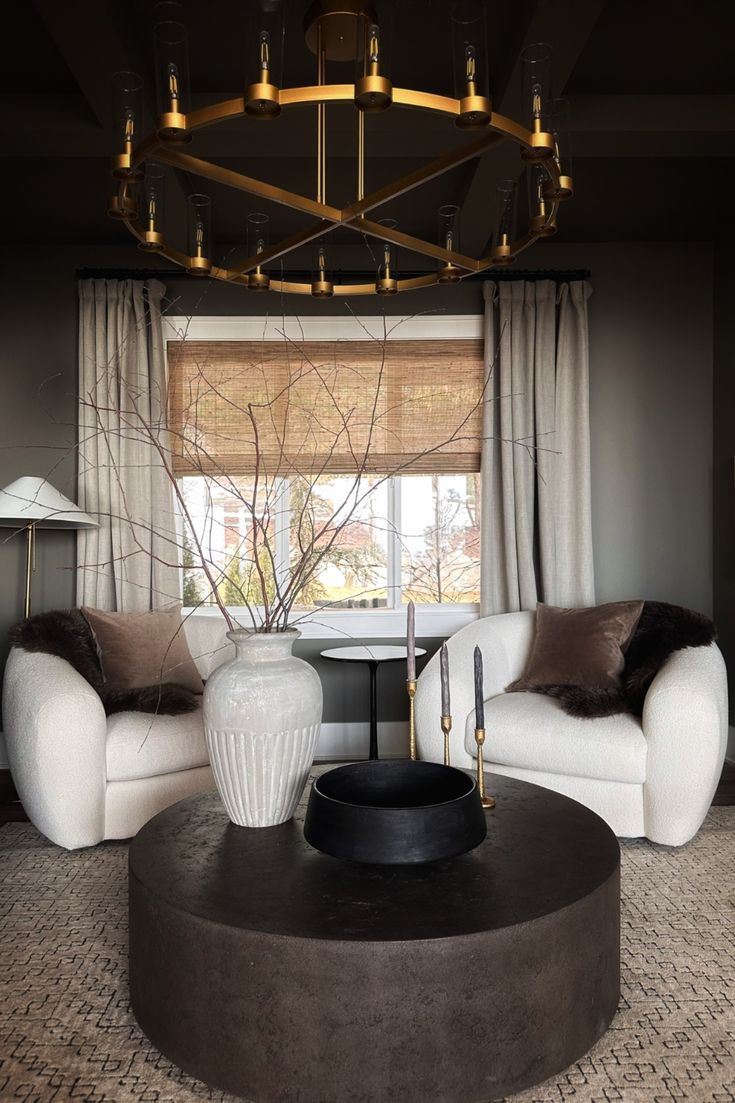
395,594
282,532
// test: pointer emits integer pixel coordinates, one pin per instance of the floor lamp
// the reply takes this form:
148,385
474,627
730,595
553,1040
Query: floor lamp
32,503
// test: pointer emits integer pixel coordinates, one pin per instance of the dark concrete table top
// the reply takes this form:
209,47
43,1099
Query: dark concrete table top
533,912
542,853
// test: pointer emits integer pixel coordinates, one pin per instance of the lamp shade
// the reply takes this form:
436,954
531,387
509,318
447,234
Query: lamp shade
31,499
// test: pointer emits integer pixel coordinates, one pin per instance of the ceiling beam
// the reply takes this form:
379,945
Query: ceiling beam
653,113
73,27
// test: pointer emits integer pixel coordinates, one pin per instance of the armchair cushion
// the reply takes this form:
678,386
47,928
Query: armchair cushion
532,732
141,746
579,647
143,649
66,634
662,630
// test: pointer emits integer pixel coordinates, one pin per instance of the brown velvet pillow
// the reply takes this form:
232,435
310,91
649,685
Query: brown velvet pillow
579,647
143,649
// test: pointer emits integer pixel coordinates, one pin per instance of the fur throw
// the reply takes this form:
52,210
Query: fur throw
662,630
65,633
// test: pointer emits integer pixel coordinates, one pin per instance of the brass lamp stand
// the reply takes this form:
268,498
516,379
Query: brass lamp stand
30,503
30,565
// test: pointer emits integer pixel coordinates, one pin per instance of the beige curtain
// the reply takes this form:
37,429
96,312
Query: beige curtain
129,563
536,496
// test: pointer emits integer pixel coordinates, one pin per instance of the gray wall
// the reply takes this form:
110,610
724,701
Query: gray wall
651,410
651,418
724,456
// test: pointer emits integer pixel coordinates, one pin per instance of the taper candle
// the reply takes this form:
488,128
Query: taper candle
411,642
444,670
479,693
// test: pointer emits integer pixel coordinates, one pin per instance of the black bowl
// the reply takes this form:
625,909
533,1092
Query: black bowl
394,813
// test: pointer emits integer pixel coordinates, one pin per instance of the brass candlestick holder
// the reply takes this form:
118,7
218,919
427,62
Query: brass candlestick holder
446,728
487,802
412,751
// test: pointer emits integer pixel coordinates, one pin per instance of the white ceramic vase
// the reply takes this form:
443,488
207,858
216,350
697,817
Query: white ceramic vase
262,714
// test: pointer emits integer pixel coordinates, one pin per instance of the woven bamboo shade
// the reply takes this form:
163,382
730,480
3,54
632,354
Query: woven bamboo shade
268,407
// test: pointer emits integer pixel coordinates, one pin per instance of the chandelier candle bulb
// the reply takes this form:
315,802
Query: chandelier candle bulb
373,89
536,75
154,191
257,234
322,286
386,282
172,74
200,235
266,33
469,49
448,238
560,128
505,222
128,103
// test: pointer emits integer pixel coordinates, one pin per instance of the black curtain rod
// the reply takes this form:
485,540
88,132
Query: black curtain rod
164,274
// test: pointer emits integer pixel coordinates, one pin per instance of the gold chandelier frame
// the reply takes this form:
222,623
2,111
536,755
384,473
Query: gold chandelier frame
536,147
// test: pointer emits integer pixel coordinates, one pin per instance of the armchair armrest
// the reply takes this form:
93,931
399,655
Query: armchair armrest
56,732
685,725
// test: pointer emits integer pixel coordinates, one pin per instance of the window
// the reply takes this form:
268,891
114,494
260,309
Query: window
413,530
414,537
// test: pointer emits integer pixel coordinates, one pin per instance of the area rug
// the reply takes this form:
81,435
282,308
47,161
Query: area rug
67,1032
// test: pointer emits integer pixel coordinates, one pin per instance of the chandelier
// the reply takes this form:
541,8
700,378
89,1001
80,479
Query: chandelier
344,31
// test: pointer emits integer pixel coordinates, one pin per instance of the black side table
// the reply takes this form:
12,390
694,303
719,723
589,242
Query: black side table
372,656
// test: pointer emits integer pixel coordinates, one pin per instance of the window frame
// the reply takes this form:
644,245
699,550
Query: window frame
438,619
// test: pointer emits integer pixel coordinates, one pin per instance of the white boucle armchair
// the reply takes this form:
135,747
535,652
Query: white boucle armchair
82,776
653,777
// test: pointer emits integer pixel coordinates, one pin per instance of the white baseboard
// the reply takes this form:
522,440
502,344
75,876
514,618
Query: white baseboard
350,741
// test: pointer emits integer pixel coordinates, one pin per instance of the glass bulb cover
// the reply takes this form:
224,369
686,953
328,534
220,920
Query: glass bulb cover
154,199
506,213
172,67
199,227
265,42
469,49
536,81
128,107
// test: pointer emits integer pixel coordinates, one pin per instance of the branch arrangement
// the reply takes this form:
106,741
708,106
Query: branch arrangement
295,434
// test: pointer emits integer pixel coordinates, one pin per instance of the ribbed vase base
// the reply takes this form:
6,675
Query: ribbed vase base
261,775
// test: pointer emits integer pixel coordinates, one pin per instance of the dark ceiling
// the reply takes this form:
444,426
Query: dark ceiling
651,85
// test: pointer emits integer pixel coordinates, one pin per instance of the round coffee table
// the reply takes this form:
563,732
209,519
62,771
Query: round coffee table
277,973
363,653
